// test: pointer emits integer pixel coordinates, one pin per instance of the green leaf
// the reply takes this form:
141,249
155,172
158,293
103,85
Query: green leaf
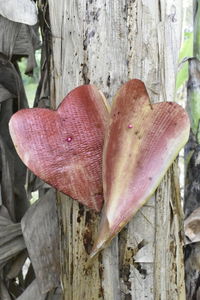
187,47
182,76
186,51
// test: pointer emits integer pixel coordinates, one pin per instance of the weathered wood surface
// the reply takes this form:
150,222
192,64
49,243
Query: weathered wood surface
41,235
106,43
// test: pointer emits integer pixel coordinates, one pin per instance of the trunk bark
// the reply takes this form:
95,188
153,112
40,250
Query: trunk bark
106,43
192,154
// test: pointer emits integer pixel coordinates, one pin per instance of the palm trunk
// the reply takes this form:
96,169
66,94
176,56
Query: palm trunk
106,43
192,152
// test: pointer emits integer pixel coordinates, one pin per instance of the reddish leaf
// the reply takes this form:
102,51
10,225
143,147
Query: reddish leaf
64,147
141,143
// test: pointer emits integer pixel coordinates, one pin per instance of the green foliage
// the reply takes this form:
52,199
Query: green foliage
194,111
187,47
30,83
197,29
186,52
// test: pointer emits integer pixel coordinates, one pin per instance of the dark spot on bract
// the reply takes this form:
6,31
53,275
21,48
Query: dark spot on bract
69,139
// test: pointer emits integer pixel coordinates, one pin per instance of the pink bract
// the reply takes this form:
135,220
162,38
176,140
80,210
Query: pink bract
135,160
64,147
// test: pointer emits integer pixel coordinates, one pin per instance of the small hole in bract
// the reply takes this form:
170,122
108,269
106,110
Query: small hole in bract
69,139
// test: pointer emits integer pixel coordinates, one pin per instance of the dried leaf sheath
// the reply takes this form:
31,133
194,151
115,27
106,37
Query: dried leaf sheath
64,147
141,143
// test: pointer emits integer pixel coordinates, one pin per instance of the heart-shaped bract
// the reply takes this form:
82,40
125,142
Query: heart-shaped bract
64,147
141,143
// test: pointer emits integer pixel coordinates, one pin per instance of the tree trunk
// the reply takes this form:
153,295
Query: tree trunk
192,154
106,43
